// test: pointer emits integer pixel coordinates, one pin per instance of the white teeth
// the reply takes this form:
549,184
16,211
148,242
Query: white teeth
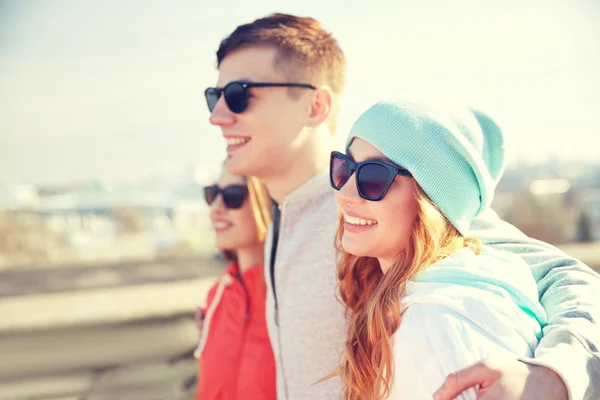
358,221
232,141
221,224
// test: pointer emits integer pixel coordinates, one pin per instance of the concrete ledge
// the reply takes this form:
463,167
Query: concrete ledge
64,387
101,347
101,306
147,381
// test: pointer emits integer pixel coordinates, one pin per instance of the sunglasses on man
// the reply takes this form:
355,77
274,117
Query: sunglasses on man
373,178
237,93
233,195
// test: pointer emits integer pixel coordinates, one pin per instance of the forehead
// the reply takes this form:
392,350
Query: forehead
361,150
227,179
255,64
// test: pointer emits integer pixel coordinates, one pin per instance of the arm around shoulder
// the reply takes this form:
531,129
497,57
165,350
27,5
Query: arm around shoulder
569,292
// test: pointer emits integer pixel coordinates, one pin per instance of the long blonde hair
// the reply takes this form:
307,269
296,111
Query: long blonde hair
372,299
260,201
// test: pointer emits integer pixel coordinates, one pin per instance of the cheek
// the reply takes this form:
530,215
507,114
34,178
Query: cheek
339,201
392,236
284,120
265,132
396,221
245,224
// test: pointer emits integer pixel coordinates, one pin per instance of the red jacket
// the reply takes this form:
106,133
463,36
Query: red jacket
235,360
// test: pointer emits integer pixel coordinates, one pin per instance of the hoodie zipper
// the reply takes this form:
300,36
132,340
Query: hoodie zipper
245,289
277,222
274,247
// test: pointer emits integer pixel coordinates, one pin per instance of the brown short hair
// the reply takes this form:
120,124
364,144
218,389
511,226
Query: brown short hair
306,51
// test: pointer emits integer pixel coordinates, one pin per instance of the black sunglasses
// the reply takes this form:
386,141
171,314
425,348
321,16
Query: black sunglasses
237,94
373,178
233,195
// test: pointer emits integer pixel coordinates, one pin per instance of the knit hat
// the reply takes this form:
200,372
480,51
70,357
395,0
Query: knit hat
455,153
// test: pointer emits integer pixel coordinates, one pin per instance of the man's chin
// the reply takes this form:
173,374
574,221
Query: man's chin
242,166
235,166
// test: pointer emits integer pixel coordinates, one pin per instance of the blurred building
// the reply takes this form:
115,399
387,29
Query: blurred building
555,210
95,221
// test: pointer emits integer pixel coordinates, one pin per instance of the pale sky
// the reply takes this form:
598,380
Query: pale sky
114,89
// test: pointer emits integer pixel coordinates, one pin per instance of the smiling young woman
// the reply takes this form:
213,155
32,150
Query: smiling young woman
424,297
235,360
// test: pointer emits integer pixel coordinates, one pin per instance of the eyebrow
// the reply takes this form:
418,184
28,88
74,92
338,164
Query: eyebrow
349,154
375,158
382,159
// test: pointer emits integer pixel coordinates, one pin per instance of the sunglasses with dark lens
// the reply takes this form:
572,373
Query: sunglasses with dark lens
237,94
233,195
373,178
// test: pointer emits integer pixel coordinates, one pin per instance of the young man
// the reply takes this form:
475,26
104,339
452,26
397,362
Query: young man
276,102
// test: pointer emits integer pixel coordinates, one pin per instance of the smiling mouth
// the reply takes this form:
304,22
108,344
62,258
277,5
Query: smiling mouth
222,225
237,140
358,221
234,143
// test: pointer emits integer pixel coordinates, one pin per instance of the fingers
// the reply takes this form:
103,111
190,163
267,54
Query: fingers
478,374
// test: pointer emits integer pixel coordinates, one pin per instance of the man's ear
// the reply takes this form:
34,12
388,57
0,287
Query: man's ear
320,106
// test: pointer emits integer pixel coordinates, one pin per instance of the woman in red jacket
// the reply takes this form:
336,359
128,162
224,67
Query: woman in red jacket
235,360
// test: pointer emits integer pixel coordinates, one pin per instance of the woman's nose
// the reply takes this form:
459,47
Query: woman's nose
349,192
217,206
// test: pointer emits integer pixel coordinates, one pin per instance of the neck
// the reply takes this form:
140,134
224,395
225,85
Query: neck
385,264
250,256
310,159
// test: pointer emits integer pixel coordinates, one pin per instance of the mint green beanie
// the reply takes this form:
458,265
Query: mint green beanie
455,153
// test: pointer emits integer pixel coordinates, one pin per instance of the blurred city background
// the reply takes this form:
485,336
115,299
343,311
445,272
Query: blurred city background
105,244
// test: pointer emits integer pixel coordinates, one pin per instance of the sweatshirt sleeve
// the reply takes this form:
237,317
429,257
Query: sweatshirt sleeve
434,341
570,294
569,291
